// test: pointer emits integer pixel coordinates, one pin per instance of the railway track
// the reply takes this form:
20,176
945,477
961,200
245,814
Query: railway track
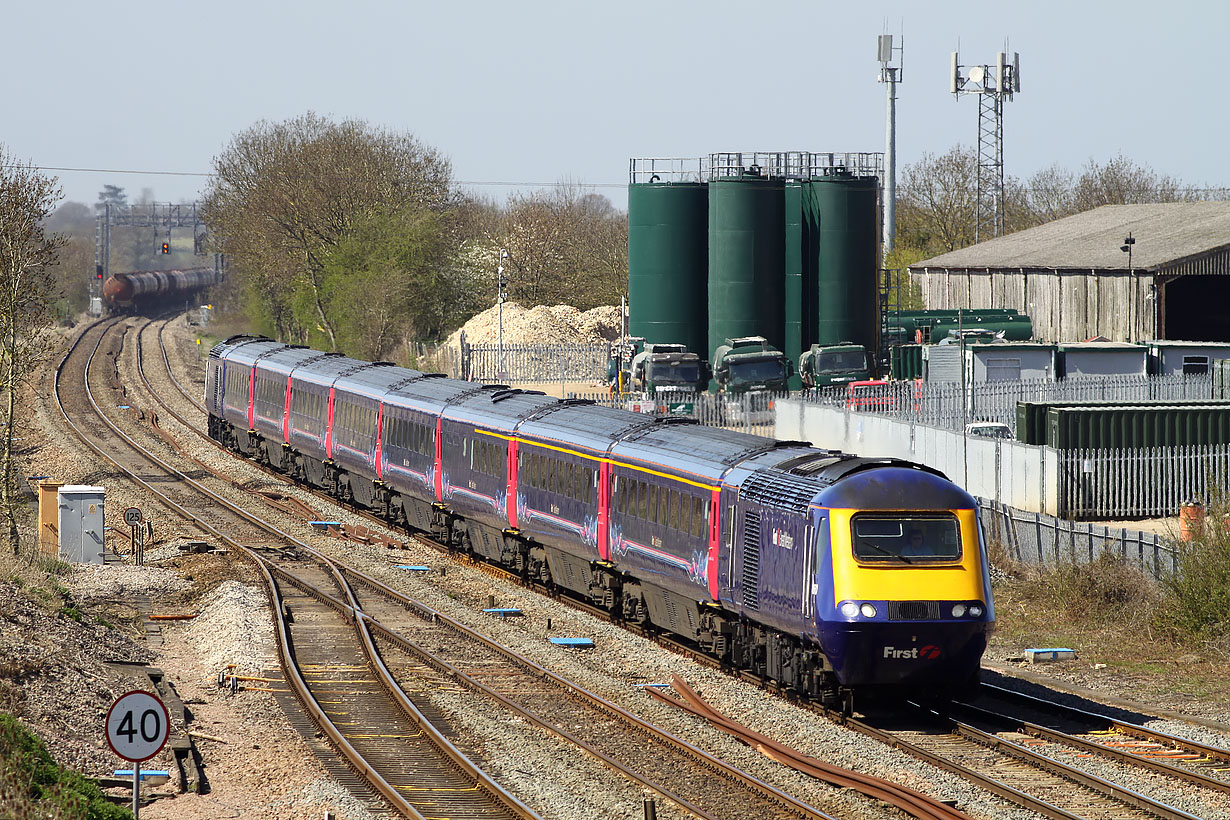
1057,726
435,650
442,782
1006,766
1042,785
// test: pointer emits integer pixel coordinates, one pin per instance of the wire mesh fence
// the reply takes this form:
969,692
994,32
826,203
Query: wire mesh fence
1037,538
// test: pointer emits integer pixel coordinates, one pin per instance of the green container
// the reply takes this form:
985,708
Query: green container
1111,426
668,263
794,253
905,361
1033,426
746,260
848,260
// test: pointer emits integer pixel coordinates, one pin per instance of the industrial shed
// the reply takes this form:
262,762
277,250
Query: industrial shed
1073,280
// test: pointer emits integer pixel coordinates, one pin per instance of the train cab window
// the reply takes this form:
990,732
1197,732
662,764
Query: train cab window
906,540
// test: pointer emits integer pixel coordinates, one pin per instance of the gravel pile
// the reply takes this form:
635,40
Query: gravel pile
557,324
233,627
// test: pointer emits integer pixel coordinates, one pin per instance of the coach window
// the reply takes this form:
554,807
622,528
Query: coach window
676,517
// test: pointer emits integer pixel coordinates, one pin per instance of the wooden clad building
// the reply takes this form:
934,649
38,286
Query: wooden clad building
1074,281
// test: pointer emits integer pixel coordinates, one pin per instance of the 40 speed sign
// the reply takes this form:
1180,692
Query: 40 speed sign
137,726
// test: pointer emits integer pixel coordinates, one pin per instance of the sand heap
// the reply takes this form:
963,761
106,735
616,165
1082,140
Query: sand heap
557,324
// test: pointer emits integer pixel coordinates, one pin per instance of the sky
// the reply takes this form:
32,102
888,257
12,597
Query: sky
522,94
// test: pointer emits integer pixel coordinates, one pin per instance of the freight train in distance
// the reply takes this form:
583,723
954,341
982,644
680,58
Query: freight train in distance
141,289
822,572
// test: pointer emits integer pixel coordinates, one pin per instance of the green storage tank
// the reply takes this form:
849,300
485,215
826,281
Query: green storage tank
746,260
668,264
847,264
794,253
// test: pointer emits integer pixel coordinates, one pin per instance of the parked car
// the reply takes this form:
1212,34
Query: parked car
988,429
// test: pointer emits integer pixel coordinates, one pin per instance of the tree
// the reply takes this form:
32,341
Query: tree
26,294
566,245
1122,182
285,194
112,195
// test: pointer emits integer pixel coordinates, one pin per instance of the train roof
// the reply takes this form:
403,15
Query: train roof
498,409
283,361
895,485
246,351
692,448
433,393
583,424
325,371
376,380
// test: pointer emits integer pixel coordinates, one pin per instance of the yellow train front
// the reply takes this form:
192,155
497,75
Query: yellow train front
903,593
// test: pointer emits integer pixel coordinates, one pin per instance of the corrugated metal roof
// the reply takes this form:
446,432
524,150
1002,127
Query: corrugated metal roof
1165,232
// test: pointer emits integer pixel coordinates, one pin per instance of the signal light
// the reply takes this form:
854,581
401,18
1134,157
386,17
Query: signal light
166,247
98,275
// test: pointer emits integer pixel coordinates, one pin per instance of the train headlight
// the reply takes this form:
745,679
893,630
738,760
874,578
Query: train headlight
849,609
958,610
975,611
867,610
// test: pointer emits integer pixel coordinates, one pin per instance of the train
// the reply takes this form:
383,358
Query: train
824,573
124,291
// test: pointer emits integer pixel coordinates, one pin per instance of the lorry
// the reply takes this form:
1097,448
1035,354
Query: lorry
825,365
749,364
662,378
666,370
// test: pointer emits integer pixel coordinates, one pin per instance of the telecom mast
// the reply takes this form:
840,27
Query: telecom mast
890,76
992,84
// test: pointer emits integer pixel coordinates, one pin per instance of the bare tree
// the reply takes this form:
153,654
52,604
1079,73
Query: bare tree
27,251
284,194
567,245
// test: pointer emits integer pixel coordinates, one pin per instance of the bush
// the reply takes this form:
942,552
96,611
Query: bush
1101,592
1199,592
32,785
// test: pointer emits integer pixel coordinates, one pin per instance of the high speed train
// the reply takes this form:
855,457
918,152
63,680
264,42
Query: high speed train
820,571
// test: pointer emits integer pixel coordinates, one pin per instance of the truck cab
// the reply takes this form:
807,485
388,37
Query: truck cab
749,364
667,370
824,365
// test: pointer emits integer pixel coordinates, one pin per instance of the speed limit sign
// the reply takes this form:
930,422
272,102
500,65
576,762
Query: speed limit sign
132,516
137,726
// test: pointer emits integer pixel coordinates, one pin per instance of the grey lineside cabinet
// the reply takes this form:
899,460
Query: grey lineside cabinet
82,524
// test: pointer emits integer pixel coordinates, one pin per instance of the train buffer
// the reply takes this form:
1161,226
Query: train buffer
503,611
574,643
1053,654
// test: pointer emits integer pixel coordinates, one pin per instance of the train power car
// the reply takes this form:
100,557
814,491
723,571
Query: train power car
822,572
126,291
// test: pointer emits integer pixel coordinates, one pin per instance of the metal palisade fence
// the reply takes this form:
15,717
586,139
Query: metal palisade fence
952,405
1149,482
516,363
